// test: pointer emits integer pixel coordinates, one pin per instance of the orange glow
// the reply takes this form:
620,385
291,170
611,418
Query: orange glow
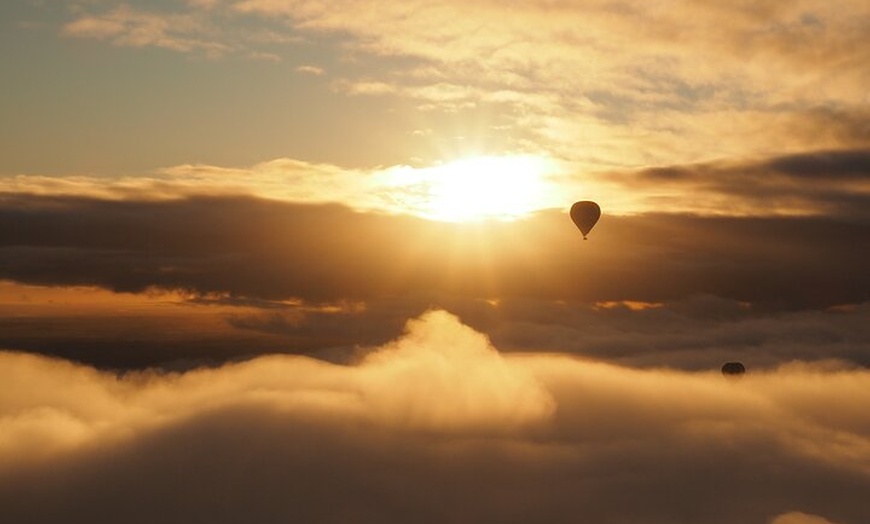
633,305
24,299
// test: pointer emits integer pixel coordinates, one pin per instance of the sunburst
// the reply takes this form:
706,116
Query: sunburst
484,187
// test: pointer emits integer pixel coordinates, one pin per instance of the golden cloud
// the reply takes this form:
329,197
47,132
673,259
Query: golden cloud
634,84
436,414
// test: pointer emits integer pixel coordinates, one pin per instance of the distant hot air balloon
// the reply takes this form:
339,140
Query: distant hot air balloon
733,369
585,214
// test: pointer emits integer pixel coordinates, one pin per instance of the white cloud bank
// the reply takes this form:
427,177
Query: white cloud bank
437,426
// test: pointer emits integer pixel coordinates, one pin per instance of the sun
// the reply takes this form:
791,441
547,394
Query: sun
484,187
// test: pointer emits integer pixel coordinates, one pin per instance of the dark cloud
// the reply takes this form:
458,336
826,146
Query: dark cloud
269,277
832,165
126,341
436,426
268,250
698,333
831,183
694,334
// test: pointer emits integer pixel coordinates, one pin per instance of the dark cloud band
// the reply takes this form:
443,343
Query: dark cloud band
269,250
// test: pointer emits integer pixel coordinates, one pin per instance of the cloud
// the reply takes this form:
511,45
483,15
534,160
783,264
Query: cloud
397,189
698,333
733,270
435,426
176,331
633,85
796,517
277,250
819,182
448,376
834,183
686,82
127,26
310,70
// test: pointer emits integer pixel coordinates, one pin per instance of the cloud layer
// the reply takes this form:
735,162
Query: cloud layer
743,248
274,250
832,183
436,426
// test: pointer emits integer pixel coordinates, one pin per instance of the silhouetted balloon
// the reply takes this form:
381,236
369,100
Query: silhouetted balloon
733,369
585,214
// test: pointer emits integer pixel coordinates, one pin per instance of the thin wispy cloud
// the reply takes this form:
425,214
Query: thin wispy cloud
661,72
127,26
657,84
310,70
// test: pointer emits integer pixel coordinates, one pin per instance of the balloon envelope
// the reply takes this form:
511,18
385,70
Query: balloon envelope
585,214
733,368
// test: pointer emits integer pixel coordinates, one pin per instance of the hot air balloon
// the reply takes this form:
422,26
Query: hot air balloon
585,214
733,369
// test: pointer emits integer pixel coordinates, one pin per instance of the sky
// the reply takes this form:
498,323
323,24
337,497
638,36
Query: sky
294,260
